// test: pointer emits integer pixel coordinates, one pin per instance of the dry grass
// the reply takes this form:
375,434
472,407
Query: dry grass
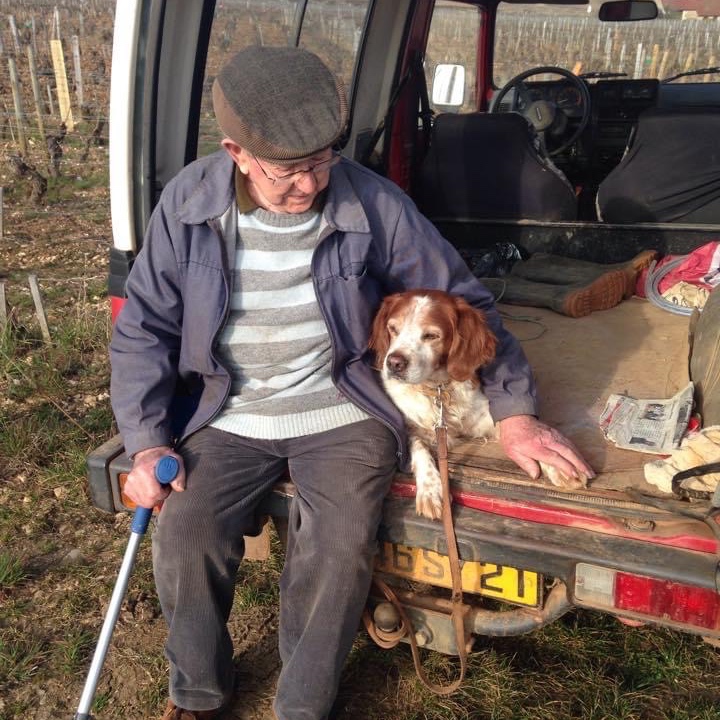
59,556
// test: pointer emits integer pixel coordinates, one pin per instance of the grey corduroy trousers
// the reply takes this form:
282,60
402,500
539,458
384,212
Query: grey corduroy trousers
341,478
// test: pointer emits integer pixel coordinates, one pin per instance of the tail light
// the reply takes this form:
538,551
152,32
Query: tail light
652,598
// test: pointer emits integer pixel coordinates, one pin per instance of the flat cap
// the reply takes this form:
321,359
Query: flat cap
279,103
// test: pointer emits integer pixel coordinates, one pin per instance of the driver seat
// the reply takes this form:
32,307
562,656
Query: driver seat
487,166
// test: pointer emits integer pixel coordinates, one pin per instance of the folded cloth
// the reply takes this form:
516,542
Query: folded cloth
700,268
697,448
687,295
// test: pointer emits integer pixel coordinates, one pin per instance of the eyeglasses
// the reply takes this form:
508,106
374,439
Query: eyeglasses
291,177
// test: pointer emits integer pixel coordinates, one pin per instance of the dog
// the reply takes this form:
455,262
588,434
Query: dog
428,347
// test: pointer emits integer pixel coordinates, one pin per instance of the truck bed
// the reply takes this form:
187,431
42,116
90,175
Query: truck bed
635,348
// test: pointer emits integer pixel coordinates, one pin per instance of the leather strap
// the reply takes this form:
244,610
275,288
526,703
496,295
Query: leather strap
459,609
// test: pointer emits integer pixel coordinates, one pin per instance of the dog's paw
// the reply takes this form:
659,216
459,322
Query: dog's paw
428,503
561,480
429,495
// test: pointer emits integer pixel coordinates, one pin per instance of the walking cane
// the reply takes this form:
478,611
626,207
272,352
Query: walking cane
165,472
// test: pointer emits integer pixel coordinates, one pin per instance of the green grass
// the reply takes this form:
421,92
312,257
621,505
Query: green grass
11,571
584,666
51,417
74,650
20,657
258,581
60,190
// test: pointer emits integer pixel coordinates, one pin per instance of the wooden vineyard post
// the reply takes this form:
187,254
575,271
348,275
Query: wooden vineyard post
63,94
3,308
14,33
51,104
17,100
39,309
36,93
78,72
56,23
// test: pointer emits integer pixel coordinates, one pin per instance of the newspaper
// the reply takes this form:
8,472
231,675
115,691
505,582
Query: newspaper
650,426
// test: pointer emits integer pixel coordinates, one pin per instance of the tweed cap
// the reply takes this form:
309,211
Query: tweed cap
279,103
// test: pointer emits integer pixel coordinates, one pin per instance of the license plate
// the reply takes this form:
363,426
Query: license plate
497,581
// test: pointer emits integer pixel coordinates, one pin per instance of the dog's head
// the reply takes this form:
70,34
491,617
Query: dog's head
430,336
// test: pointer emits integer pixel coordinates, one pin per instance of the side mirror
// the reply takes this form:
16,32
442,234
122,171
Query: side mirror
448,87
627,10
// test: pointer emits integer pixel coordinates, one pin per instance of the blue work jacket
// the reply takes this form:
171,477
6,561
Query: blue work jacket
167,380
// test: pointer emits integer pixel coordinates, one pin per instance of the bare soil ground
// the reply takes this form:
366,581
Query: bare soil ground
59,556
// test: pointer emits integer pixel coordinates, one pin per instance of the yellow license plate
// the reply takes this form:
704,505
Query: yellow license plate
498,581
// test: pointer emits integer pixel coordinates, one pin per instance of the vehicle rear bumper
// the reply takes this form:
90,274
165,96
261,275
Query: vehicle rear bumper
550,550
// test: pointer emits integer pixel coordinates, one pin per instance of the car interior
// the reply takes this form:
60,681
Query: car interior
636,145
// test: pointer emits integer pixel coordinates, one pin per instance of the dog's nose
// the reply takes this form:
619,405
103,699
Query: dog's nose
396,363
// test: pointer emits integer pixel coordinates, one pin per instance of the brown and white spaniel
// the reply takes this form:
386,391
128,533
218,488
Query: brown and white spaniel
428,347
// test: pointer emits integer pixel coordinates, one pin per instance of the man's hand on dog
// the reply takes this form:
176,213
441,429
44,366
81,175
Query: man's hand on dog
538,448
142,487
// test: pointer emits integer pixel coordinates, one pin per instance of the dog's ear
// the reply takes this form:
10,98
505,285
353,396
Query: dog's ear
379,341
473,343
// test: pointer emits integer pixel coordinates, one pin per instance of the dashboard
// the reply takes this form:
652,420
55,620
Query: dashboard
614,108
616,105
612,116
610,99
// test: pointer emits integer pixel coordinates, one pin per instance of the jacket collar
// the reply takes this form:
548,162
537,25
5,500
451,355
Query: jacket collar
343,208
213,193
216,191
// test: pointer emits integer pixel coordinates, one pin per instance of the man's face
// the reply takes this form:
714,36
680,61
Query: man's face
281,188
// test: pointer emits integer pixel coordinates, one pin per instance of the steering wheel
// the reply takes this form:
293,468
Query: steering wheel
544,115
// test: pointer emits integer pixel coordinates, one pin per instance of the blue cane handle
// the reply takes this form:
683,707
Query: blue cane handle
166,471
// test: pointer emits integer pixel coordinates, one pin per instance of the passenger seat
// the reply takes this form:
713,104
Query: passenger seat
670,173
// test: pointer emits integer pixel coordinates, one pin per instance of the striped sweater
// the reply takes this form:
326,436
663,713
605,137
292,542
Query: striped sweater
275,343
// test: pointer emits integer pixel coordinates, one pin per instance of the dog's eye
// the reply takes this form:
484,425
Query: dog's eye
429,336
392,330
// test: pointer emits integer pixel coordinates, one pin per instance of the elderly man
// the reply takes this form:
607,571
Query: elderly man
241,350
